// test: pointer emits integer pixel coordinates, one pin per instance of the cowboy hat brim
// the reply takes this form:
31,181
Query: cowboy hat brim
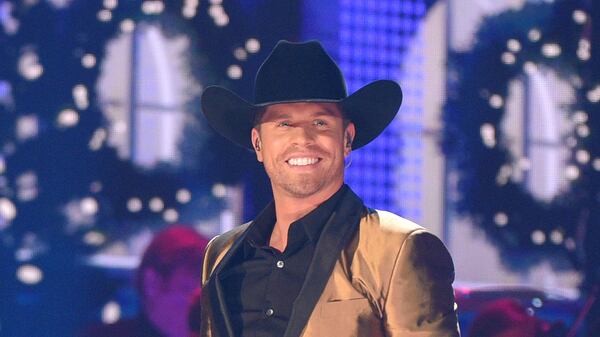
371,108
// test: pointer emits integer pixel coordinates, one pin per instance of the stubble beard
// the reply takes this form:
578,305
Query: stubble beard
303,185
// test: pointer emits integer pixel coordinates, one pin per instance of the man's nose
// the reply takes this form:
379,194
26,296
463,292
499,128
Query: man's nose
303,134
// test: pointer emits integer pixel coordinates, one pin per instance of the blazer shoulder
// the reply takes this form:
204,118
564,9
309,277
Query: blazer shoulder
218,246
389,224
383,235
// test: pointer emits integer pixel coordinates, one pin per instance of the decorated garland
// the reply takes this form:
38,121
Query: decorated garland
54,158
64,191
554,36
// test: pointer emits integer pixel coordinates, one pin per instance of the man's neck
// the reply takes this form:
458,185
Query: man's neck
289,209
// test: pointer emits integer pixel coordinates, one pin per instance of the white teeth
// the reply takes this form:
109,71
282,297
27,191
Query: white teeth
302,161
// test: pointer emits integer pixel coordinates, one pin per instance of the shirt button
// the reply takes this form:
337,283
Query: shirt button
269,312
280,264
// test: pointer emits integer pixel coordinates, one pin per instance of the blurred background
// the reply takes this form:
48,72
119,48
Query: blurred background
496,148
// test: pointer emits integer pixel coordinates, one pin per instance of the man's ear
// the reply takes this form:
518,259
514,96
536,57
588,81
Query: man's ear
349,134
256,144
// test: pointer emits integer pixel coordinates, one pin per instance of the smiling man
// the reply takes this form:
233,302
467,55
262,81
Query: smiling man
317,261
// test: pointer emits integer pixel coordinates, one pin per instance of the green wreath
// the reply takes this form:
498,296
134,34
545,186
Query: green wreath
556,36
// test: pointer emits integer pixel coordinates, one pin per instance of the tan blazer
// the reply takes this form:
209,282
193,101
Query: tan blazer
373,274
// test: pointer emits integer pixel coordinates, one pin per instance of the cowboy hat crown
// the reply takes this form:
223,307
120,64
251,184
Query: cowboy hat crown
302,72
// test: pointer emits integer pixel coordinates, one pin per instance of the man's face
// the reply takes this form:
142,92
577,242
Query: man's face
303,146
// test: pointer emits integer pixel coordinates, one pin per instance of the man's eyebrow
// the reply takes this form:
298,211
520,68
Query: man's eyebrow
278,115
324,113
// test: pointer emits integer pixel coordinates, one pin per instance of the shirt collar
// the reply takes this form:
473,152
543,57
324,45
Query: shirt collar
311,224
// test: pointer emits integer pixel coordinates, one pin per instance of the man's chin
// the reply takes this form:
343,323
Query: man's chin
304,189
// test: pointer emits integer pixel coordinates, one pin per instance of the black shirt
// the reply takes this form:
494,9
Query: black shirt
260,283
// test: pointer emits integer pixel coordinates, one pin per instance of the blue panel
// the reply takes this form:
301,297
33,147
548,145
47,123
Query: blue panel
369,39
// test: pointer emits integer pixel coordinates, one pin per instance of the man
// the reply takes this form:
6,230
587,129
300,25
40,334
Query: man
166,280
316,261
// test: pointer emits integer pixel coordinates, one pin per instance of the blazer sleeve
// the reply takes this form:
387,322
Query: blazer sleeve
420,297
207,267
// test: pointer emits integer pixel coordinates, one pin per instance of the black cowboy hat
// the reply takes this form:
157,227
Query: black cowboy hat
302,72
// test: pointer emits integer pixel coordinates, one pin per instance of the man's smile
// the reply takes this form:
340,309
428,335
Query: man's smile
303,161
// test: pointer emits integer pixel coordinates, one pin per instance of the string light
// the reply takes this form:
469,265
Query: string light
556,237
127,26
240,54
594,95
88,61
596,164
579,16
98,139
24,254
170,215
88,206
488,135
134,205
60,4
571,172
8,212
153,7
508,58
580,117
503,175
222,20
190,8
29,66
496,101
104,15
111,312
80,96
29,274
551,50
219,190
501,219
529,68
215,10
538,237
67,118
583,130
234,72
94,238
27,127
534,35
183,196
110,4
10,24
582,156
513,45
156,204
27,186
252,45
584,50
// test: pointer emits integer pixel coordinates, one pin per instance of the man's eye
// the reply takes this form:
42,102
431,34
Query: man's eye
284,124
319,122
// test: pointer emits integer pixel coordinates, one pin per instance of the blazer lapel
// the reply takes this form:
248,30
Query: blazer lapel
217,297
335,235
